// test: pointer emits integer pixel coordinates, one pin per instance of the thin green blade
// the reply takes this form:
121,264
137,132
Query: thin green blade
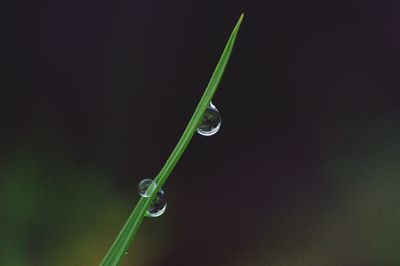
125,236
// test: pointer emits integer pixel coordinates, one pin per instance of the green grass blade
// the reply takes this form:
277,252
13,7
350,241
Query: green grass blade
125,236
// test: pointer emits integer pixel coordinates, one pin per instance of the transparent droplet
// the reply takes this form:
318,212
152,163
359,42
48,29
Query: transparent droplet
210,123
158,205
146,187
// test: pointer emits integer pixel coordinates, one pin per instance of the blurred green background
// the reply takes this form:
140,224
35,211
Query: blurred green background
305,169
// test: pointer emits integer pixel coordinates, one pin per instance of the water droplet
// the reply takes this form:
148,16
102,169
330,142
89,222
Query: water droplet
158,205
146,187
210,123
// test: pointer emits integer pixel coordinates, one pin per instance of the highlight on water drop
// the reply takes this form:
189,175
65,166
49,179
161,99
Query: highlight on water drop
211,121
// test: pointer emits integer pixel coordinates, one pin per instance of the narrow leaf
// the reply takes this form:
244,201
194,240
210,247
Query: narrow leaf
125,236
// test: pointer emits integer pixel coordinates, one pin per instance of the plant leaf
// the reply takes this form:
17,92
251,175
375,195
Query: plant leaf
125,236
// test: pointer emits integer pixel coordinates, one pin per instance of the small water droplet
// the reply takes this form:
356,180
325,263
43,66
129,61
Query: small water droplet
211,122
158,205
146,187
126,252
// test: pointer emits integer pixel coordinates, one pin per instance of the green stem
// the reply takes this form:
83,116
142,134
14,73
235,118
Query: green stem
125,236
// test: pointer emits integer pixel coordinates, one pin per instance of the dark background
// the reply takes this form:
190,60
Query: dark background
304,171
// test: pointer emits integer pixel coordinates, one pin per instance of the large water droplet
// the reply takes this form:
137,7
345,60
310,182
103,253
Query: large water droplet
211,122
146,187
158,205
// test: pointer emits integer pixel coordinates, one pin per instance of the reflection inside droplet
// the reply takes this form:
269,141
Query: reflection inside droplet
211,121
158,205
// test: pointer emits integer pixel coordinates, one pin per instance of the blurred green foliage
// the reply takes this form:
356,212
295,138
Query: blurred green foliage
56,213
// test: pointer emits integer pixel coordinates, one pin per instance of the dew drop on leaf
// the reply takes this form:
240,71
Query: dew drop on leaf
158,205
146,187
211,122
